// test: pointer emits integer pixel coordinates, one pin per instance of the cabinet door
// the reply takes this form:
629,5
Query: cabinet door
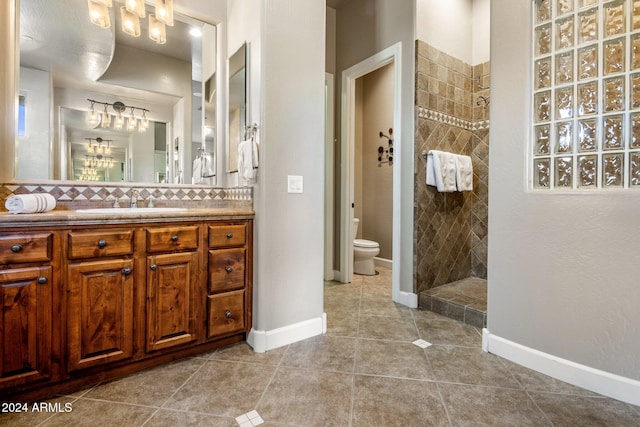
100,313
25,325
171,283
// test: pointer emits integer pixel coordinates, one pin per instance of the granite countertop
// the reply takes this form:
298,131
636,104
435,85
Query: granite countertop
71,217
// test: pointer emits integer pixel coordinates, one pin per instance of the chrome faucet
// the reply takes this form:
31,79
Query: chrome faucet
134,198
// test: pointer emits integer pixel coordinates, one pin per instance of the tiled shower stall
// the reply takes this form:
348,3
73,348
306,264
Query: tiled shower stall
452,114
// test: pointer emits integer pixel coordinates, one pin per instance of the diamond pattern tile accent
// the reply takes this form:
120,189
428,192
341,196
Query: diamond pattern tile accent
70,194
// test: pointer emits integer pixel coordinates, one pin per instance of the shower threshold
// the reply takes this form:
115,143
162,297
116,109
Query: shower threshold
464,300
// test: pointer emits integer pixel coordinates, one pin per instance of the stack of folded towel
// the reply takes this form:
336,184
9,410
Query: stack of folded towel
449,172
30,203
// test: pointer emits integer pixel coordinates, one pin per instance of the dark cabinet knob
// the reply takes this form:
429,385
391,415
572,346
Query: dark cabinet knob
42,280
126,271
229,235
229,269
227,314
174,238
153,267
102,244
16,248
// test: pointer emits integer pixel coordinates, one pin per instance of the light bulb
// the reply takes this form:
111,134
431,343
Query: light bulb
164,11
99,13
130,22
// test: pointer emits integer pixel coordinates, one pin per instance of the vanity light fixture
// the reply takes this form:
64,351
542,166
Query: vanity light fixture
157,30
164,11
143,125
99,12
94,116
97,147
136,7
130,22
119,122
130,15
105,119
132,121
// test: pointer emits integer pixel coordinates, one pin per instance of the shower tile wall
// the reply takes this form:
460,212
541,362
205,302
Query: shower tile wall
450,228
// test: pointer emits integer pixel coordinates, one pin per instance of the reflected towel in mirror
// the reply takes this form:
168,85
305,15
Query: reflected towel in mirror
247,162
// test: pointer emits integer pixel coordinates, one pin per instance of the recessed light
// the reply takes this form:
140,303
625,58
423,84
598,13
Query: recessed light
195,32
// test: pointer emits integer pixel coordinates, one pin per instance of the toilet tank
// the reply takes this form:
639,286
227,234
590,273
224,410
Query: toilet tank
356,221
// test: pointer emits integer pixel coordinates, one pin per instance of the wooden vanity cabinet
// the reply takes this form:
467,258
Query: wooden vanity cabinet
88,302
26,295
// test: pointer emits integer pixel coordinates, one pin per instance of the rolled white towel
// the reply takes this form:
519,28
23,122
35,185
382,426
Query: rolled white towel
30,203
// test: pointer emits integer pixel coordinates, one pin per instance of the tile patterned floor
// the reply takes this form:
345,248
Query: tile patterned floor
364,372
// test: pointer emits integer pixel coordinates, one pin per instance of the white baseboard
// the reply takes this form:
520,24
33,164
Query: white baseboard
605,383
408,299
383,262
262,341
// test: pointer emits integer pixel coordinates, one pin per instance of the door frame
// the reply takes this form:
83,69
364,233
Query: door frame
392,54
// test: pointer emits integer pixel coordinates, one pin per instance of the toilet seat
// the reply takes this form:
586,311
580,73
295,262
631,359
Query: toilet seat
362,243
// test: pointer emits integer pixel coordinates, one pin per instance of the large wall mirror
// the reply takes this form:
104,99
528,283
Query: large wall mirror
237,103
119,99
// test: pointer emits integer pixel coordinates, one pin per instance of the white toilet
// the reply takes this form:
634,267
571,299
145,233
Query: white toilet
363,253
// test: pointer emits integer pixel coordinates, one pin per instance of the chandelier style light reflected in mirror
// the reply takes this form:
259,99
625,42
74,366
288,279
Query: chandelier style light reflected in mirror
97,147
130,15
105,118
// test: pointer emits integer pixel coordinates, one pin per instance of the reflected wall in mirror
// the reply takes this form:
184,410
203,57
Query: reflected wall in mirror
237,103
58,74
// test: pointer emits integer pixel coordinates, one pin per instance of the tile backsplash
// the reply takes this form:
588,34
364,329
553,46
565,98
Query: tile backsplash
71,195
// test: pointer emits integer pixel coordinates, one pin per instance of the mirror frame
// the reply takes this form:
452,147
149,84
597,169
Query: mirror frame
236,63
9,90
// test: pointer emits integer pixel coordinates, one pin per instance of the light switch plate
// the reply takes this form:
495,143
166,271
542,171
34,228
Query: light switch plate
294,183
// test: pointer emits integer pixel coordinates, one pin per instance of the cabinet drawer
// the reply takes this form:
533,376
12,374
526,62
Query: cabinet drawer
225,313
226,269
227,235
28,247
86,244
172,239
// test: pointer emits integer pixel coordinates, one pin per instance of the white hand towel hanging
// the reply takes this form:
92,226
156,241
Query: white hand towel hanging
464,173
441,170
247,162
197,171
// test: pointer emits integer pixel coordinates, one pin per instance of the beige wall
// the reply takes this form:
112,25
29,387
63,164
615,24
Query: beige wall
563,267
376,180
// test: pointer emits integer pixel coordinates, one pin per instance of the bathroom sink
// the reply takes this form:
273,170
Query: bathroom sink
129,210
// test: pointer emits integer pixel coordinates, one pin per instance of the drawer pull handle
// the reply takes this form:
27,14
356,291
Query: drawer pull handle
42,280
229,235
174,238
16,248
153,267
126,271
227,314
229,269
102,244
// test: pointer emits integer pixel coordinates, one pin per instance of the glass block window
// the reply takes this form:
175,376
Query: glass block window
586,95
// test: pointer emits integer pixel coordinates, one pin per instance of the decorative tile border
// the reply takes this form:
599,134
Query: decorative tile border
425,113
67,193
